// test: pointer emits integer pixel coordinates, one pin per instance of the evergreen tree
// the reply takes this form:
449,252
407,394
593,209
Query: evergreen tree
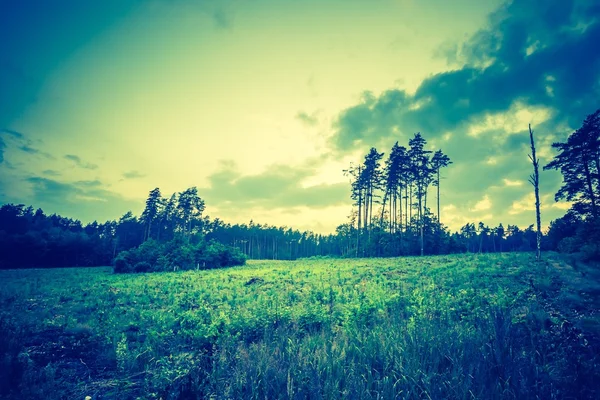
578,160
439,161
151,211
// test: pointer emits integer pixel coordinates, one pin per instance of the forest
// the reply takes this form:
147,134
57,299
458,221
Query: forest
392,215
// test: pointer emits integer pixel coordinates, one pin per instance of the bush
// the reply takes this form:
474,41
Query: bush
590,252
568,245
149,251
217,255
142,266
121,265
152,256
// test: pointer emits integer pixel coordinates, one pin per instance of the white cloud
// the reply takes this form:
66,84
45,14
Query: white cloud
492,160
483,204
516,119
508,182
527,203
561,205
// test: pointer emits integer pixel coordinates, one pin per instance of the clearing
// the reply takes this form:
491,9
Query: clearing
460,326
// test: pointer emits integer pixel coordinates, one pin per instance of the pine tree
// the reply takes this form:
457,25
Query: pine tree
579,162
438,161
151,212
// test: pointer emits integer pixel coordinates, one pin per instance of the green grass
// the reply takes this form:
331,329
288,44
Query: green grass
461,326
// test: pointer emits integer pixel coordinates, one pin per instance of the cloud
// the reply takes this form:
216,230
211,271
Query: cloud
78,199
279,186
527,203
31,150
79,162
19,141
133,175
513,120
15,134
308,120
51,172
7,132
498,81
562,205
483,204
508,182
534,62
12,135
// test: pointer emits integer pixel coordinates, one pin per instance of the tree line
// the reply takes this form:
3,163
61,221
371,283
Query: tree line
391,216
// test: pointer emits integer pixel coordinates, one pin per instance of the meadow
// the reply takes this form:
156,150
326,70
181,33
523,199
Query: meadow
497,326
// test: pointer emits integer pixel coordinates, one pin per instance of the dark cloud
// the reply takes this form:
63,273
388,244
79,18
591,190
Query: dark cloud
51,172
32,150
80,163
528,47
85,200
372,120
28,149
15,134
20,142
279,187
133,175
540,54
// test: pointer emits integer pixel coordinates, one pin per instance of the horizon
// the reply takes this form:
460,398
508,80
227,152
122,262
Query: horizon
262,105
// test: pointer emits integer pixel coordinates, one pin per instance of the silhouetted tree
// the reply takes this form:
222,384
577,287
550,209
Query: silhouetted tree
151,211
439,161
421,173
190,207
578,160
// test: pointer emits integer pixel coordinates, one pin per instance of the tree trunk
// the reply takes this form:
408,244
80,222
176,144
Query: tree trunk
411,205
420,200
359,222
406,209
535,180
588,179
438,195
383,211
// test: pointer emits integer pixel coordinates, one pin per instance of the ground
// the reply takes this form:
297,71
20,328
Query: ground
460,326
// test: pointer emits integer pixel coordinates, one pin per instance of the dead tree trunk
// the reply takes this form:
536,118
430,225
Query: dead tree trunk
535,181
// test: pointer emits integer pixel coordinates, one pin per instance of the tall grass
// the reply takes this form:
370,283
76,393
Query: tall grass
460,327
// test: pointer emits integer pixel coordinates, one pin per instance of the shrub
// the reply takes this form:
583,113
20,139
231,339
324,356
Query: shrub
590,252
183,256
568,245
149,251
142,266
121,264
217,255
152,256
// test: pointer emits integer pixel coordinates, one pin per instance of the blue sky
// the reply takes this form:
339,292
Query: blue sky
261,104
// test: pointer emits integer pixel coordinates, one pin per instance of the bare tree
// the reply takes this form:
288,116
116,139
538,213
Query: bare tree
534,179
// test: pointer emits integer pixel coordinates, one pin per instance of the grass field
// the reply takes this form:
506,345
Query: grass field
461,326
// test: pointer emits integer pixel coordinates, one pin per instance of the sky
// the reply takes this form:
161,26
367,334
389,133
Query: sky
262,103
